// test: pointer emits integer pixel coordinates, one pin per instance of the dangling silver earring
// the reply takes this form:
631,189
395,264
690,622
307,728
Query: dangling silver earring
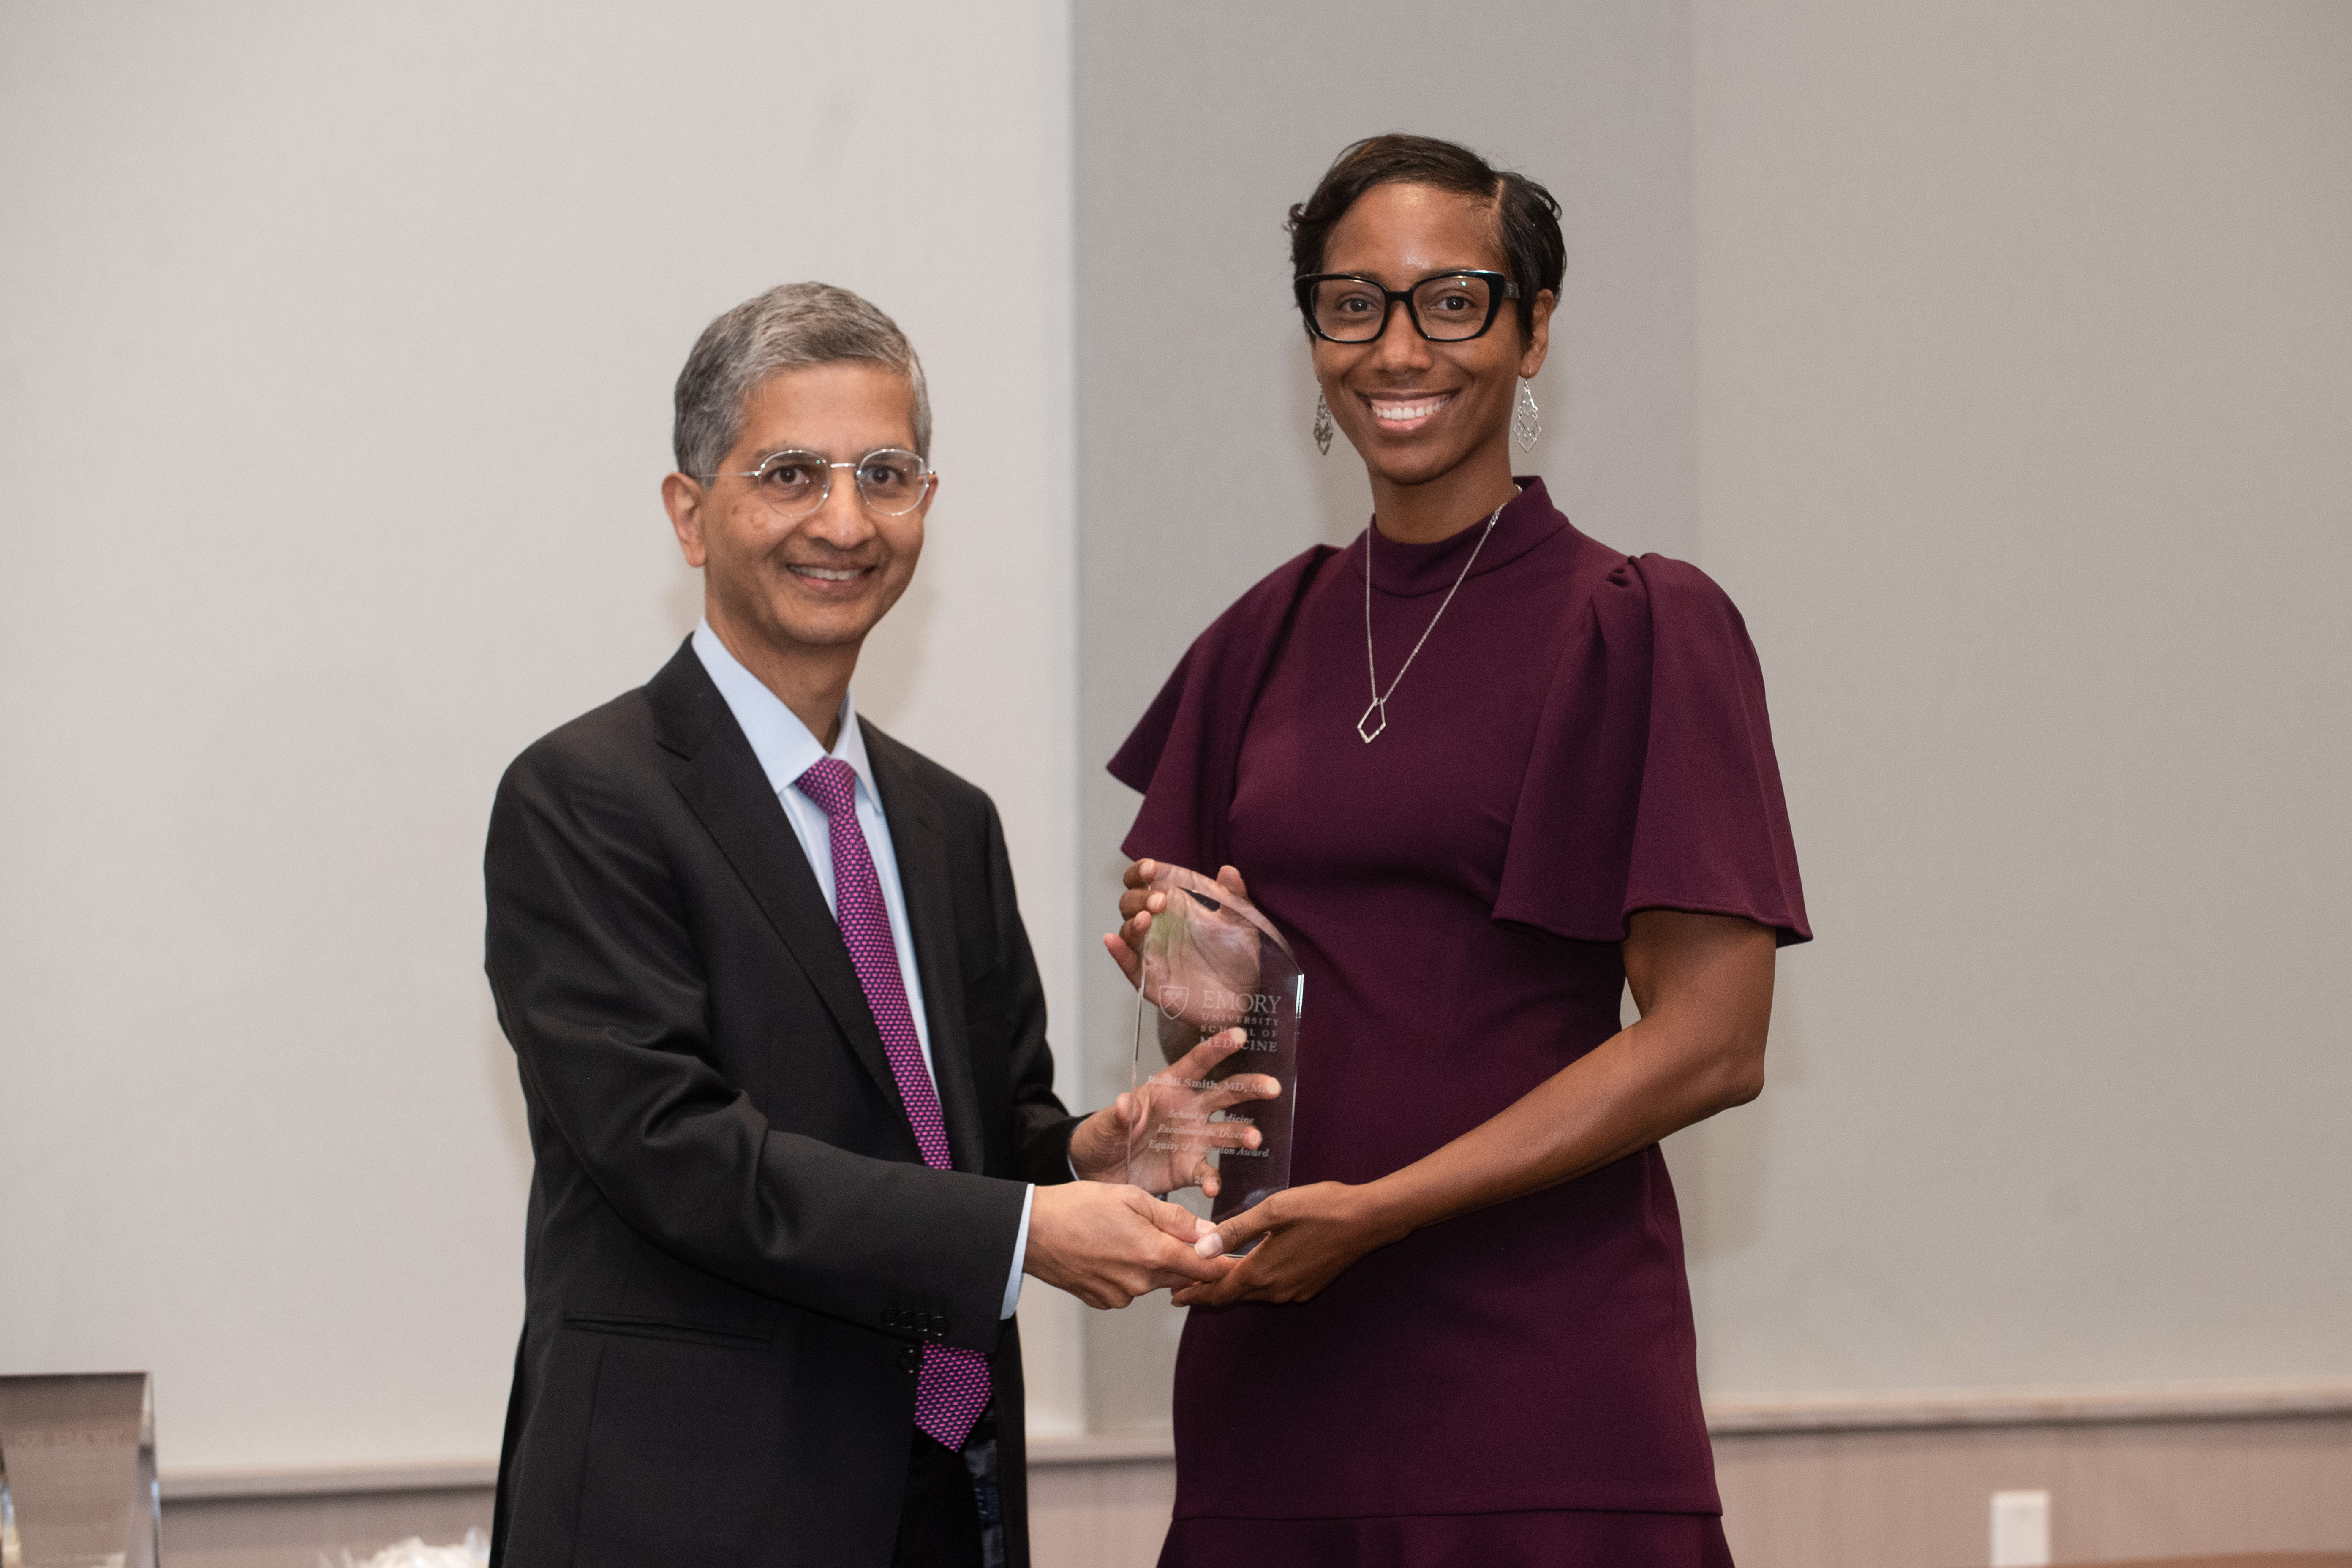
1322,425
1527,424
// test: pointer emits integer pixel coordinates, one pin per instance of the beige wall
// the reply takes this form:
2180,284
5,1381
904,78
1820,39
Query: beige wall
334,402
2155,1473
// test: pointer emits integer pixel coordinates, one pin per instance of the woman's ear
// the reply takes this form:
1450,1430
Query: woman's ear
1531,358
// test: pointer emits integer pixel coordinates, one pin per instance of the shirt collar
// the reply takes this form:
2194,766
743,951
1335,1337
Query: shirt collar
783,744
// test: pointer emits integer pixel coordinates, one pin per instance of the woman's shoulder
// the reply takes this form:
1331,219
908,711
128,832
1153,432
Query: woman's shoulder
1248,630
1652,595
1197,705
1267,602
1678,588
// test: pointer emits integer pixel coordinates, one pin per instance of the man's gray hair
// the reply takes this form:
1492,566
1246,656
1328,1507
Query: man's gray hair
790,327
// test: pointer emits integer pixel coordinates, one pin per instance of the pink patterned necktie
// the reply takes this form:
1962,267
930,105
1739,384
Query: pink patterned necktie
954,1387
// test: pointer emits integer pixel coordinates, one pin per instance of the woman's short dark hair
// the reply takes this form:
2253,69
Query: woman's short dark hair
1525,214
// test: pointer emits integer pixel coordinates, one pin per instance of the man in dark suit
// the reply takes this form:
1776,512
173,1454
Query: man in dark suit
782,1040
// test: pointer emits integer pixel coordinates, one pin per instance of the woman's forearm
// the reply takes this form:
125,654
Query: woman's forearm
1627,1093
1698,1049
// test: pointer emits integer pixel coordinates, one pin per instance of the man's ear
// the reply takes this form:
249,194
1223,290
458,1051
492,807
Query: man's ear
683,499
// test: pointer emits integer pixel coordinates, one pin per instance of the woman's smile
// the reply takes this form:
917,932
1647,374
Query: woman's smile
1401,416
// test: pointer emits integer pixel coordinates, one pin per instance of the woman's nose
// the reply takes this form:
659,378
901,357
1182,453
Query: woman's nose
1399,342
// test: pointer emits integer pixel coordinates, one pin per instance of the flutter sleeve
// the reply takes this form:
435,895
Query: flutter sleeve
1184,752
1652,783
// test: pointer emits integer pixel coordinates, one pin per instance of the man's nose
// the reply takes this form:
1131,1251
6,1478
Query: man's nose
841,520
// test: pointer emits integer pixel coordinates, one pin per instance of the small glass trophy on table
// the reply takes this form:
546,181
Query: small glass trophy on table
1212,963
78,1472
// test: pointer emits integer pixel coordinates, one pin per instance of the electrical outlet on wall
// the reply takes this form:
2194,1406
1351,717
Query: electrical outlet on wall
2021,1529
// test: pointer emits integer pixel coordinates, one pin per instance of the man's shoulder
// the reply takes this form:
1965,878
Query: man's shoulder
608,730
954,793
625,735
599,753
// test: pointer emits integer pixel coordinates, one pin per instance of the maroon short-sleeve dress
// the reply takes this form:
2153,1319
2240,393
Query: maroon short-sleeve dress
1583,736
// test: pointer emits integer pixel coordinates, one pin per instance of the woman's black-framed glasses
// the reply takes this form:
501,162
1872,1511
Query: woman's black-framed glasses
1444,307
890,481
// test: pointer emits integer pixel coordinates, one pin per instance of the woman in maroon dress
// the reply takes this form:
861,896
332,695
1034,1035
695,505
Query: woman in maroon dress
1466,1337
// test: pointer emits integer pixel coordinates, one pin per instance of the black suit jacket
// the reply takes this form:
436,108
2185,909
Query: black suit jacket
734,1250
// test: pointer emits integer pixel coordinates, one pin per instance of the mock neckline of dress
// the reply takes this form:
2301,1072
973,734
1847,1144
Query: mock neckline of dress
1409,570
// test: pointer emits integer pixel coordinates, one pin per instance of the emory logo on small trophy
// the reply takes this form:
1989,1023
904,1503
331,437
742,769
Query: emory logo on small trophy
1172,999
1239,1002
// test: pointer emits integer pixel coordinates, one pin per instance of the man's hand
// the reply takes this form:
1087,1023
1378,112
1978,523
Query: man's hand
1175,1106
1109,1244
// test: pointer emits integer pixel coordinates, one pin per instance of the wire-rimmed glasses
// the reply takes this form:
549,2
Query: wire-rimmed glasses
890,481
1445,306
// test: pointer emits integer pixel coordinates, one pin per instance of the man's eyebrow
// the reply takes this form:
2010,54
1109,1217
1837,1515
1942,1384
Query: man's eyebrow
815,452
760,459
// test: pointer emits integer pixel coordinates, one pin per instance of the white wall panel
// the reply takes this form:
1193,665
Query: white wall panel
335,362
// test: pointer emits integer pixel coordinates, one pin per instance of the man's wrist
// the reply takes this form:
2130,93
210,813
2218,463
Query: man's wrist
1101,1124
1020,1253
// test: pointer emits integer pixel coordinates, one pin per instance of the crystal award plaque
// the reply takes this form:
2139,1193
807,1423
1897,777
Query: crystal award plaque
1212,963
78,1472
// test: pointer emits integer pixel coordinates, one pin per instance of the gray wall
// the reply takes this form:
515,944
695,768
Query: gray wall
1196,127
1998,359
2025,437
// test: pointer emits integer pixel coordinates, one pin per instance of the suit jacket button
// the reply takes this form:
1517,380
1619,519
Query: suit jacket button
939,1327
910,1359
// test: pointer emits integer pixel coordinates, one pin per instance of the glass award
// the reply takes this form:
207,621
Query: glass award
78,1472
1211,963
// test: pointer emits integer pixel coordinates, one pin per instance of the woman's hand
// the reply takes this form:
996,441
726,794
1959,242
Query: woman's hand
1704,984
1175,1106
1311,1234
1139,904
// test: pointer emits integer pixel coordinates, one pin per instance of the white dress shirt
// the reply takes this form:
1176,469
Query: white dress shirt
786,749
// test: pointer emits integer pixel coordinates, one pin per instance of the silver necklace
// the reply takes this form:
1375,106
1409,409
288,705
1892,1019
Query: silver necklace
1370,731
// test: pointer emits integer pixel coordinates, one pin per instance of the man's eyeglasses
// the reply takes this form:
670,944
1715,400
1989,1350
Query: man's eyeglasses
1446,308
890,481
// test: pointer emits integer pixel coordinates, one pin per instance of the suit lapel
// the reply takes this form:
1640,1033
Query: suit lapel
715,770
921,843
